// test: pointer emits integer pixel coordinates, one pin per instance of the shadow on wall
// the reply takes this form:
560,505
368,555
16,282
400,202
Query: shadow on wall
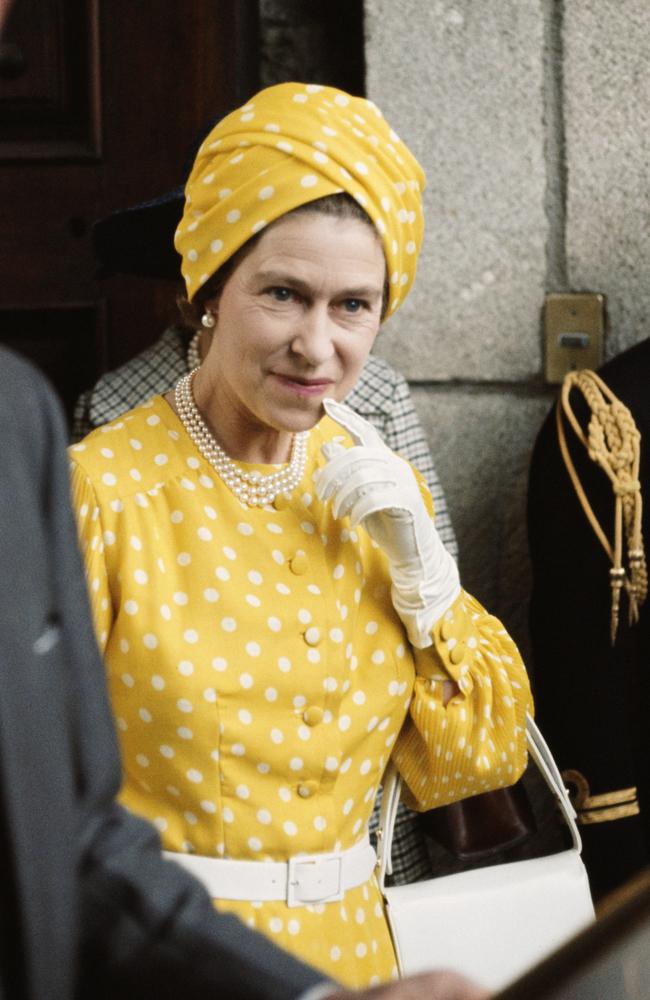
481,441
317,42
514,572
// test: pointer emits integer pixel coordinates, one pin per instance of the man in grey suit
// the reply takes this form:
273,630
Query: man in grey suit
88,908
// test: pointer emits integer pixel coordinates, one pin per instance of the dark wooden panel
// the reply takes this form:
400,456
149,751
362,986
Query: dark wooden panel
167,81
167,69
49,81
66,342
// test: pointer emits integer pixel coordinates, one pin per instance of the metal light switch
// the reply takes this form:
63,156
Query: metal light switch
574,333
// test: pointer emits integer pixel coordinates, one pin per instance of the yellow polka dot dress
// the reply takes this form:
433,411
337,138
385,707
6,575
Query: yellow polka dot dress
261,679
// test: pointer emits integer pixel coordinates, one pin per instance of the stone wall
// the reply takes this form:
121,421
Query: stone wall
531,120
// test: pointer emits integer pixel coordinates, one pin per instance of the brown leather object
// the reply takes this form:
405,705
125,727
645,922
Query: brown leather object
484,824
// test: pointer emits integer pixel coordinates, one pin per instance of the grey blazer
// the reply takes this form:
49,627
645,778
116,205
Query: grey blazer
88,908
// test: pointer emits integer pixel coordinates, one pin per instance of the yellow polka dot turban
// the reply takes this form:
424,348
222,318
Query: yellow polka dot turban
289,145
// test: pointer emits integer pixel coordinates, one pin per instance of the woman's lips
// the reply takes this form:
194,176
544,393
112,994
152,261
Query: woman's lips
304,387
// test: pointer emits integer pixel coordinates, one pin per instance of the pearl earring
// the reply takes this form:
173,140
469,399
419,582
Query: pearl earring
207,320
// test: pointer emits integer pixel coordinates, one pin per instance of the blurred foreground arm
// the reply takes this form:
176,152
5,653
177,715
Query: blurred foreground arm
90,907
426,986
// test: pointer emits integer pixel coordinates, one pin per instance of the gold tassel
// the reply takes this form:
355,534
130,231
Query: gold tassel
613,442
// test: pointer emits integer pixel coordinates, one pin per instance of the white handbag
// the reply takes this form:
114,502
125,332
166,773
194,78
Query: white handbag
491,924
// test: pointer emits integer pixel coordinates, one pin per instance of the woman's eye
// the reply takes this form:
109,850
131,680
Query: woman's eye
281,294
353,305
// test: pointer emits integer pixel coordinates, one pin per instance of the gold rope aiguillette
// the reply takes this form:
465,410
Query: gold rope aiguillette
613,442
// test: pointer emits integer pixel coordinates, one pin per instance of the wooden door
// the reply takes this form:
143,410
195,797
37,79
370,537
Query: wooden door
100,103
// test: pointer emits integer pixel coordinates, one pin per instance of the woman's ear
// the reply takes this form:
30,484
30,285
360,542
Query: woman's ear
211,305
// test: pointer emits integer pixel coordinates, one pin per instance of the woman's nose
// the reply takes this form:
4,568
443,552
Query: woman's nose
312,339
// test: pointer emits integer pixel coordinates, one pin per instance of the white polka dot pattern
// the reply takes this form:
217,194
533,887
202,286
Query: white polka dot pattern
300,144
258,729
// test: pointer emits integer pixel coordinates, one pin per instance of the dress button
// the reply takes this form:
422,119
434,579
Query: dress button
446,630
313,715
458,653
298,563
306,789
281,501
312,636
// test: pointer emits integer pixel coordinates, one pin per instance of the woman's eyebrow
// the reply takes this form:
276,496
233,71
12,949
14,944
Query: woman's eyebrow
363,292
281,278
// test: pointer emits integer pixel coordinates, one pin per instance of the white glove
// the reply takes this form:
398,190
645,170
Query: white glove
376,487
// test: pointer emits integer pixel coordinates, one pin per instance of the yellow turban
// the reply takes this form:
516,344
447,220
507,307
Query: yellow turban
290,144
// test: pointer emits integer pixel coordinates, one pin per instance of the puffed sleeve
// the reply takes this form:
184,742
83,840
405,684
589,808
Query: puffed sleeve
477,742
91,539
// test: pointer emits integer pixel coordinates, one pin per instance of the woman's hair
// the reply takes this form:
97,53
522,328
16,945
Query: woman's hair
340,206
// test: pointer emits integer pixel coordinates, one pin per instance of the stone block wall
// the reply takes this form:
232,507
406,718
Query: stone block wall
530,118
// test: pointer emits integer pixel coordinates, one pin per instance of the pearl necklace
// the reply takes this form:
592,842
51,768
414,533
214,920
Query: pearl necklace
193,356
252,488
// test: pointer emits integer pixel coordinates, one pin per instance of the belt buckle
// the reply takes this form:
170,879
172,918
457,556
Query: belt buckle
314,878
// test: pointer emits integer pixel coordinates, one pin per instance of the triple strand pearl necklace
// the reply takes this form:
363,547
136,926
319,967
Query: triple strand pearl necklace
252,488
193,355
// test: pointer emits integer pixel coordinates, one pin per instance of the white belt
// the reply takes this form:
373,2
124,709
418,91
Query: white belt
307,878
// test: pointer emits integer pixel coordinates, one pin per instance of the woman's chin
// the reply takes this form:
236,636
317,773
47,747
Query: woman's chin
299,418
305,420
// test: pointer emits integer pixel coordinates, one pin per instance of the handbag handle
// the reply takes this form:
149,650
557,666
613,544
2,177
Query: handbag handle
540,753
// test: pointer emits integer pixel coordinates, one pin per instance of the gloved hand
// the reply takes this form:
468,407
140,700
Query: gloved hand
377,488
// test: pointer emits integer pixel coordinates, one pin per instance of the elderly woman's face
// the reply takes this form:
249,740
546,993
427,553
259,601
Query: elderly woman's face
295,321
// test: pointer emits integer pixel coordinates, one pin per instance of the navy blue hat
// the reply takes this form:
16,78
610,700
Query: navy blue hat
140,240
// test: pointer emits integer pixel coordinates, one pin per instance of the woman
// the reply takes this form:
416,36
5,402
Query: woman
277,612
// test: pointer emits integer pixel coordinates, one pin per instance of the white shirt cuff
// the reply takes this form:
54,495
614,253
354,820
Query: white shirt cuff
320,991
